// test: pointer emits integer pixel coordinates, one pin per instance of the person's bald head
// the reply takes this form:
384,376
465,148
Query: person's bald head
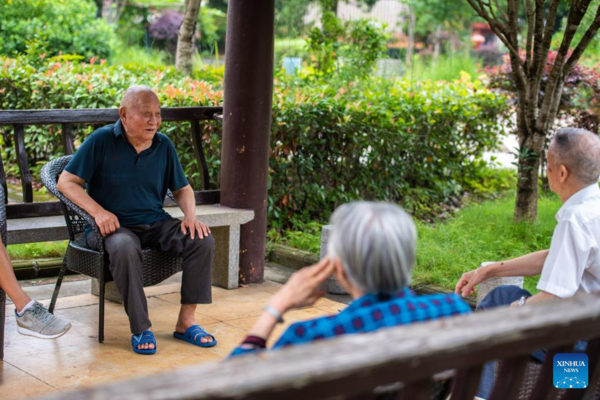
579,151
137,95
140,115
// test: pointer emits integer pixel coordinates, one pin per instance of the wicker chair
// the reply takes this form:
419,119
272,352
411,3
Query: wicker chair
79,258
2,294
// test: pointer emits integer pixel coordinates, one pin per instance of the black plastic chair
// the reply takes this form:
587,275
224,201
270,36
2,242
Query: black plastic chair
79,258
2,293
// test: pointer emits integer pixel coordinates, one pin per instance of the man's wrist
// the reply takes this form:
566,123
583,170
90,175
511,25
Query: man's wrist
95,211
487,271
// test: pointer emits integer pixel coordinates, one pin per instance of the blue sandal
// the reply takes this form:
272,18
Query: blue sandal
194,335
142,338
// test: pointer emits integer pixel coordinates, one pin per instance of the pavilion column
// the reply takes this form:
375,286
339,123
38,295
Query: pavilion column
247,124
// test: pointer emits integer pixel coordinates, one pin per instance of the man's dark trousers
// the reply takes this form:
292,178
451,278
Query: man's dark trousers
124,248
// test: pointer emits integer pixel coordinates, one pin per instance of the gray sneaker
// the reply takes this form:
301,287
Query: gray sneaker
38,322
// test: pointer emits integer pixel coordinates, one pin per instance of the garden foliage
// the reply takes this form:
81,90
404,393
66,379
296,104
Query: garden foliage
580,100
30,82
53,26
346,49
418,144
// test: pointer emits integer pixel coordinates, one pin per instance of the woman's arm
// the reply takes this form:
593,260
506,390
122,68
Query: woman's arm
301,290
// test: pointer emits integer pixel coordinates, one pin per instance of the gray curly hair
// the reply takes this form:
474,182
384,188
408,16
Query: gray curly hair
376,244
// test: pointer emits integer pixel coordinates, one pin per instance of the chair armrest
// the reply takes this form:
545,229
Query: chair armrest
85,216
170,194
49,175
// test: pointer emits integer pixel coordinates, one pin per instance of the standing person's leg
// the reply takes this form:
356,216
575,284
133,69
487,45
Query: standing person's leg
125,264
9,283
33,319
196,282
501,296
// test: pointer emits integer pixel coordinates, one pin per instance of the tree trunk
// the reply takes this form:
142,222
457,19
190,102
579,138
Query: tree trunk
333,6
528,175
111,10
437,43
99,4
185,37
534,121
411,37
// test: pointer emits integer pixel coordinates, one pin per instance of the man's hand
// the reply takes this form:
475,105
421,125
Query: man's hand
302,289
466,284
192,225
107,222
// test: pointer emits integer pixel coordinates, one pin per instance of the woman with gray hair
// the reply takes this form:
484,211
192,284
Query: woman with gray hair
371,254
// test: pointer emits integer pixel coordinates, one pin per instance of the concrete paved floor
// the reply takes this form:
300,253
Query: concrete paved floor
34,367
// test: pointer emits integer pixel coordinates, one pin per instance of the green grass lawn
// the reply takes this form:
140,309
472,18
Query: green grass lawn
30,251
479,232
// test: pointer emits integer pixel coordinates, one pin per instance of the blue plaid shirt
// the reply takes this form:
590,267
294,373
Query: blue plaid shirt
370,313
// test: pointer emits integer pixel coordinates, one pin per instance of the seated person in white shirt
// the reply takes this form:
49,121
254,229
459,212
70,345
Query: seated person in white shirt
572,264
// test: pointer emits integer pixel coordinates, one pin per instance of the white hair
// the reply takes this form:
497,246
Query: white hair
579,151
131,97
376,244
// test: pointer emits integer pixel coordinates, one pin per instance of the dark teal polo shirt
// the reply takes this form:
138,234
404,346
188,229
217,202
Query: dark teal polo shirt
130,185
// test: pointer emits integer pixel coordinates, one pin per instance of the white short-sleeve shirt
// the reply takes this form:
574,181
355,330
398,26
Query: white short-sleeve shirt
573,263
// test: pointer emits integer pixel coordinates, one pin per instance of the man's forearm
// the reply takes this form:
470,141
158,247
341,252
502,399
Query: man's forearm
527,265
77,195
186,201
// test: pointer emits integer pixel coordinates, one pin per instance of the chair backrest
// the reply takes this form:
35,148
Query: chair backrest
50,173
2,217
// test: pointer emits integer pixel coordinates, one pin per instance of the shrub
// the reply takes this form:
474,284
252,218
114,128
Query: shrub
67,26
346,50
418,144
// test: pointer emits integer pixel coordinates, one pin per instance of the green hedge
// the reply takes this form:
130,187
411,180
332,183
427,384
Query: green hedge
53,26
417,144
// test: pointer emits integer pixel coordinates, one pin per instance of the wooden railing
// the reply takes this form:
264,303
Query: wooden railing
96,117
353,366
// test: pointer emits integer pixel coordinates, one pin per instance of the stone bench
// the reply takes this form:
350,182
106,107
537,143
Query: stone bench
224,222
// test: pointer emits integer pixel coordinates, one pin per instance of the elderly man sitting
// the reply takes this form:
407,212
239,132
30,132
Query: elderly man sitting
571,265
371,253
128,167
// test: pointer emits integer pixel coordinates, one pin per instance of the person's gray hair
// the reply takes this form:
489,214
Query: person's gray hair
376,244
579,151
131,97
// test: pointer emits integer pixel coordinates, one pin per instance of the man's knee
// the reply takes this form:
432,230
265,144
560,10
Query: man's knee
502,296
123,245
201,247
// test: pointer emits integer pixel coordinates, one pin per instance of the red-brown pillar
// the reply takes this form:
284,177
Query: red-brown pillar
247,124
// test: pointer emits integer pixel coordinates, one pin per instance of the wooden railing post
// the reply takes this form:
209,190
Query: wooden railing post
67,139
3,181
199,152
22,160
